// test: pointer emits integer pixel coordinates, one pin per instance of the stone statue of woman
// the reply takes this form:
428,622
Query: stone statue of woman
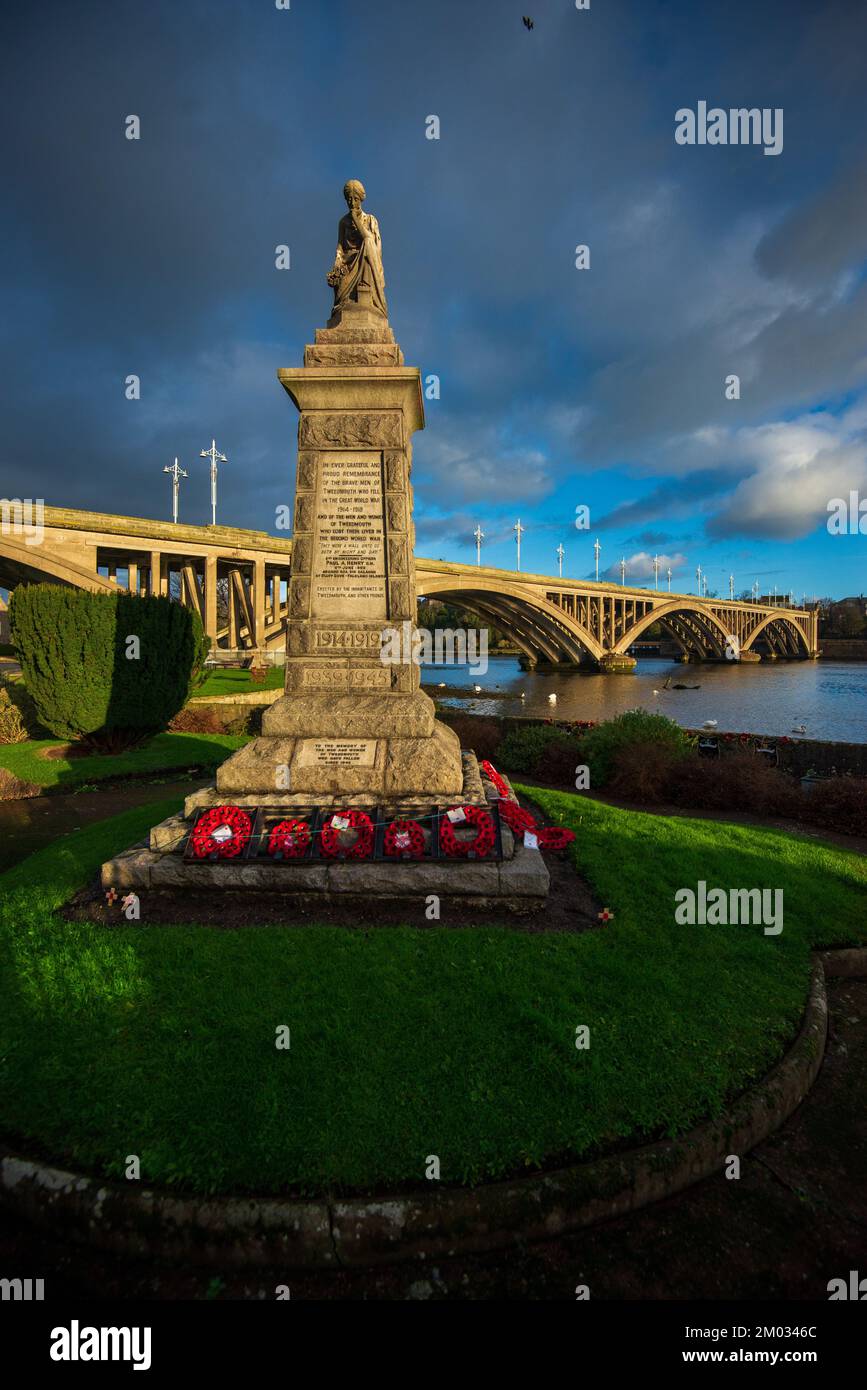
357,276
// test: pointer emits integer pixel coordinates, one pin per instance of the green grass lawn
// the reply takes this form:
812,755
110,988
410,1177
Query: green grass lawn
233,682
164,753
159,1040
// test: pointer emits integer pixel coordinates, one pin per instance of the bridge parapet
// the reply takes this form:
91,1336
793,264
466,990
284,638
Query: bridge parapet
237,579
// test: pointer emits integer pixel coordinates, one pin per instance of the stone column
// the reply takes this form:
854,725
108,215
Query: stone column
350,722
258,597
211,598
233,614
133,576
155,581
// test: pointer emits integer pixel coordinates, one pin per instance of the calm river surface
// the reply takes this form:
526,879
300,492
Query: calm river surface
828,697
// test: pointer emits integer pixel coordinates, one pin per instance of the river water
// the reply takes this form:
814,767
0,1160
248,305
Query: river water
828,697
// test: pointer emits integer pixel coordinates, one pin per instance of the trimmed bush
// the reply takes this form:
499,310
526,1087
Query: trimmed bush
522,749
600,746
12,728
741,782
840,803
559,761
216,719
481,735
111,669
642,771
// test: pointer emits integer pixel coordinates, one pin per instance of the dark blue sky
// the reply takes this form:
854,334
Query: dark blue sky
558,387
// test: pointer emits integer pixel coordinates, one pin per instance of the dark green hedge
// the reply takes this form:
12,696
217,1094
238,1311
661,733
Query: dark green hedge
73,647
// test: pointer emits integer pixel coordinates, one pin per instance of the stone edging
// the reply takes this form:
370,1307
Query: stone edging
323,1234
246,697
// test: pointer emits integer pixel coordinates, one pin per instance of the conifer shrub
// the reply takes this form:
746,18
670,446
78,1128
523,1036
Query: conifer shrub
108,669
522,749
601,745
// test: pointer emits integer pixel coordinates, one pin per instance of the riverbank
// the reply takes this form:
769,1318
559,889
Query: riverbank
842,649
798,756
829,699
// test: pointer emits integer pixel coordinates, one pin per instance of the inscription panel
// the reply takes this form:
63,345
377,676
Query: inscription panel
323,677
349,539
337,752
349,639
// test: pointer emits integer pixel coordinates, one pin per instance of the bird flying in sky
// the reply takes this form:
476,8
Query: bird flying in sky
528,22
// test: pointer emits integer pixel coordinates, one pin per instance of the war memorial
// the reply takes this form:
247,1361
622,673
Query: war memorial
351,766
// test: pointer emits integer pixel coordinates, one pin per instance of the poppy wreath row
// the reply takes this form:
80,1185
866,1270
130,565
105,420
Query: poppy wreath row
554,836
495,779
480,846
516,817
404,839
361,823
202,840
520,821
289,838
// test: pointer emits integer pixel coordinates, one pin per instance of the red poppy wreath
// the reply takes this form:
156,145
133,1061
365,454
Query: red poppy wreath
290,839
358,821
404,839
493,776
516,817
481,844
221,833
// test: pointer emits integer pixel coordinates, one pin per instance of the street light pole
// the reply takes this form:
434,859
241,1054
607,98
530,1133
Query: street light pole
519,531
656,571
216,457
596,549
480,536
623,571
177,473
669,578
560,553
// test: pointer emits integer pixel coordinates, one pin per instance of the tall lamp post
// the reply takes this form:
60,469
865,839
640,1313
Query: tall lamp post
656,571
177,473
216,457
560,553
669,578
480,536
596,549
731,586
519,531
623,571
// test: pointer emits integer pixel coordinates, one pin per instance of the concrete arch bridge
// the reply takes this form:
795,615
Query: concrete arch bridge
237,580
566,622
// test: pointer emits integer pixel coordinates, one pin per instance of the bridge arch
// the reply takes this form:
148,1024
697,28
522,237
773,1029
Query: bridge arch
538,627
697,615
33,564
781,629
